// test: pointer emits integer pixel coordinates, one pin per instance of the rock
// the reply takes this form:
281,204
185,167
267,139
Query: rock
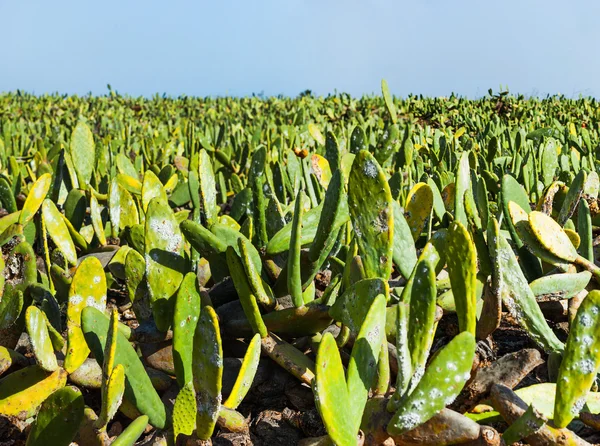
272,429
508,370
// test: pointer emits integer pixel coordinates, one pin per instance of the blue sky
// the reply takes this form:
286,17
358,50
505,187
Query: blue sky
227,47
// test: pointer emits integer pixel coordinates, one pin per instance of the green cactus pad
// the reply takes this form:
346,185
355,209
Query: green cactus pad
137,287
260,289
572,198
580,361
58,231
132,432
421,317
560,286
370,203
83,151
362,367
294,273
389,101
88,289
405,254
23,391
246,374
97,224
164,261
35,322
461,256
331,393
417,211
184,411
58,419
524,426
207,363
432,394
138,388
352,306
185,319
245,292
122,208
152,188
515,291
35,198
208,191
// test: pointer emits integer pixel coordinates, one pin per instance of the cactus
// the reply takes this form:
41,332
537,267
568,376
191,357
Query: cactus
88,289
83,152
36,323
405,254
207,363
184,411
580,362
185,318
462,269
22,392
419,204
58,419
572,198
246,375
113,376
432,394
34,199
139,389
131,434
208,192
560,286
122,208
151,188
164,261
294,274
245,293
332,390
374,225
516,294
351,307
524,426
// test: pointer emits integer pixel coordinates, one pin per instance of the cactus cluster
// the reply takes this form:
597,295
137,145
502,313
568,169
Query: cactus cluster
372,248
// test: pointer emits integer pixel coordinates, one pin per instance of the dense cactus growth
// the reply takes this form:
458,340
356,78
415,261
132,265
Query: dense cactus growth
376,249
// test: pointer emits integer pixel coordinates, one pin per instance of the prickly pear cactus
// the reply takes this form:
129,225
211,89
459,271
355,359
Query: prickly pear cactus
165,263
58,419
370,203
432,394
207,364
580,361
88,289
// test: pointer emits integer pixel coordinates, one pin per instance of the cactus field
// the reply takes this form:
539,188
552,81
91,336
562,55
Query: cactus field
311,270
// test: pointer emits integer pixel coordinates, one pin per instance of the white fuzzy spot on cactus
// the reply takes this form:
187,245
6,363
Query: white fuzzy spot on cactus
418,374
594,309
435,393
586,366
76,299
97,279
451,366
370,169
578,405
373,335
409,420
165,230
585,320
586,341
91,302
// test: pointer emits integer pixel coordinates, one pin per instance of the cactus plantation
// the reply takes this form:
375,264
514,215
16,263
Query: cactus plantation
314,271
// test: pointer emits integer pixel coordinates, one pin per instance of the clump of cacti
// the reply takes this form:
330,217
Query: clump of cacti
371,248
